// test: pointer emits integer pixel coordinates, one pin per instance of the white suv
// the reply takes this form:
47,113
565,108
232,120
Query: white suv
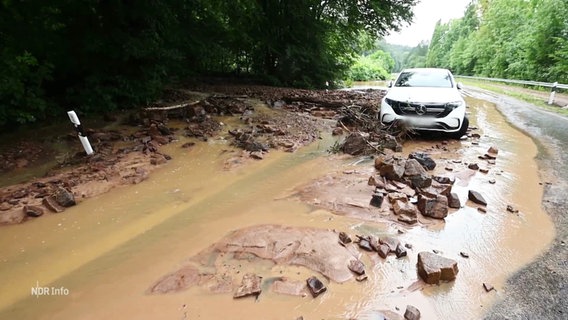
427,99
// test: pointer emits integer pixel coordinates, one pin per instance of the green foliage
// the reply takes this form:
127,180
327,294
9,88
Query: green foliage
376,66
96,56
515,39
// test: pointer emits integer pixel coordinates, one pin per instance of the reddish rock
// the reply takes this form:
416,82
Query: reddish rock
476,197
473,166
391,242
433,268
357,267
406,219
433,207
258,155
413,168
372,181
484,170
316,286
393,171
250,285
289,287
13,216
383,251
5,206
411,313
492,153
64,197
33,211
188,145
454,201
397,196
50,203
344,238
382,160
406,208
365,245
400,251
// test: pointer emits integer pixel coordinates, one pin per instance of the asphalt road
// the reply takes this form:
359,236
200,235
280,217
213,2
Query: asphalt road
540,289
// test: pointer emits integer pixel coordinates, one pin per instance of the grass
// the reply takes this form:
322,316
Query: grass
519,95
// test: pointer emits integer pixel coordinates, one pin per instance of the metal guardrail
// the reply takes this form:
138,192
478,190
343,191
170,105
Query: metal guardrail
553,86
529,83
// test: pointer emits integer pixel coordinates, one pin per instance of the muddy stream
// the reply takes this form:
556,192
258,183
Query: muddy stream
110,249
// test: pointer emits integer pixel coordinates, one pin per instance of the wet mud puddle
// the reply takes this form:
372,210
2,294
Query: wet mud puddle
102,257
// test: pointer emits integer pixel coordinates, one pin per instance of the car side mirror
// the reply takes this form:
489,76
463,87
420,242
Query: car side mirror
389,85
459,85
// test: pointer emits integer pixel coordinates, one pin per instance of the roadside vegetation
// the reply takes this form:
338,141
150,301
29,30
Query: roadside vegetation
100,56
525,96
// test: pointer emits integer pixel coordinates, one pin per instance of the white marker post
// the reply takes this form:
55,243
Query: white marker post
552,93
84,140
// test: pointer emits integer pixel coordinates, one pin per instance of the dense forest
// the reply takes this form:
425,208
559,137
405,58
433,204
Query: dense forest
100,55
513,39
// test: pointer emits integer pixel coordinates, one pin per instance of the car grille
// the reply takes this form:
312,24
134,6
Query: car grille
410,109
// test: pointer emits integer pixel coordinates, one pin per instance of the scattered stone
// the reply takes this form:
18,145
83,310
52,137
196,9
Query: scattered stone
482,209
492,181
473,166
404,207
408,245
454,201
475,135
448,168
484,170
382,160
258,155
372,181
491,162
488,287
357,267
397,196
250,285
50,203
512,209
377,200
476,197
344,238
492,153
391,242
464,254
457,161
406,219
411,313
433,207
400,251
420,181
64,197
33,211
424,159
383,251
188,145
412,168
443,179
5,206
365,245
316,286
362,277
433,268
393,171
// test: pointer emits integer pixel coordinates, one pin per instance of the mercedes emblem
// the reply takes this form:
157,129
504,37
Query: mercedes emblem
420,109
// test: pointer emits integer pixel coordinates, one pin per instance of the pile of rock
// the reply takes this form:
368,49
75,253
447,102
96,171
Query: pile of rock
383,245
410,189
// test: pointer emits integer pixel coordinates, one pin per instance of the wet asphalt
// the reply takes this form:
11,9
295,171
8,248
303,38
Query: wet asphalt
540,289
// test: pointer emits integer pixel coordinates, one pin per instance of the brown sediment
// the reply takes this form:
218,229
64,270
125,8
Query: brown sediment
110,249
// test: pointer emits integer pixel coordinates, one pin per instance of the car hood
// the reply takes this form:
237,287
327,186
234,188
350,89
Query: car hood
424,95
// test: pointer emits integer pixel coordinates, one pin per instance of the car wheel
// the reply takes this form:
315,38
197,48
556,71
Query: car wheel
463,129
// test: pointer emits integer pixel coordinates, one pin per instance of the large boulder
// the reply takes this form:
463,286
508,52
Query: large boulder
433,268
393,170
355,144
420,181
413,168
434,207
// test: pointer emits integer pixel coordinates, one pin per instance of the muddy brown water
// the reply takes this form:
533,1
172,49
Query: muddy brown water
108,250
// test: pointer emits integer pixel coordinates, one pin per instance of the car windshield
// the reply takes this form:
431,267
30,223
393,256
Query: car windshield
426,78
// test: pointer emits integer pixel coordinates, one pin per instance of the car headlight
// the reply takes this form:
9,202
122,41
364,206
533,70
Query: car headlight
454,104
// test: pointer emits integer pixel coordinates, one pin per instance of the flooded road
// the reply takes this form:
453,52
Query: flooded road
108,250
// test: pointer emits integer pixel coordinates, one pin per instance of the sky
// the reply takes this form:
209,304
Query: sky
426,14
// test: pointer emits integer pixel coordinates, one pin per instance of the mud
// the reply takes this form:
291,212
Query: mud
110,250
